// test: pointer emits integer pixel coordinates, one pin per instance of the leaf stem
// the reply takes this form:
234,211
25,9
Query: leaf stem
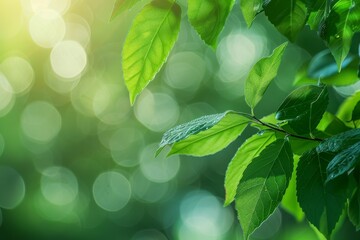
285,132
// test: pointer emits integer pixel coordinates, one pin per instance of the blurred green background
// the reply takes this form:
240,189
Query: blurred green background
77,162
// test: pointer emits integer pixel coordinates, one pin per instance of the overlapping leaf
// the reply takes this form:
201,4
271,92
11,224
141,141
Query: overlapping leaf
249,150
288,16
148,44
340,26
322,203
263,185
261,75
346,109
339,142
303,108
205,135
208,17
250,9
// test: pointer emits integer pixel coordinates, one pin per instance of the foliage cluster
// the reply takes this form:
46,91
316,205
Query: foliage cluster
303,157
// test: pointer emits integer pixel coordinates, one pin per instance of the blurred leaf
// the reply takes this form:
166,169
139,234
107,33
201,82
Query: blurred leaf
331,125
250,9
339,142
148,44
289,201
354,209
323,67
304,108
205,135
261,75
263,185
356,112
346,109
122,5
249,150
208,17
315,19
343,162
322,203
340,26
288,16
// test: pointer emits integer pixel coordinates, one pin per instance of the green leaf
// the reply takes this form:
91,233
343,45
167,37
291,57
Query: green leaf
322,203
250,9
249,150
206,135
339,142
343,162
122,5
340,26
289,201
303,108
148,44
356,112
354,210
346,109
315,19
208,17
314,5
263,185
288,16
331,125
261,75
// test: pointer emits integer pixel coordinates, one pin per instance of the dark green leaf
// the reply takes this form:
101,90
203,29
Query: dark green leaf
250,8
263,185
205,135
303,108
313,5
148,44
340,26
289,201
288,16
249,150
354,210
356,112
122,5
261,75
343,162
322,203
315,19
339,142
208,18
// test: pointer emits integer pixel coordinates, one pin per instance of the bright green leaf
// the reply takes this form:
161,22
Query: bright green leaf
322,203
208,18
356,112
250,8
249,150
148,44
205,135
303,108
289,201
288,16
122,5
331,125
340,26
343,162
261,75
263,185
354,210
346,109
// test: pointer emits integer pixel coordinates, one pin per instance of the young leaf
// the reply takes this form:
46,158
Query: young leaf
288,16
250,9
148,44
261,75
263,185
205,135
343,162
208,18
249,150
289,201
340,26
303,108
122,5
354,210
322,203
